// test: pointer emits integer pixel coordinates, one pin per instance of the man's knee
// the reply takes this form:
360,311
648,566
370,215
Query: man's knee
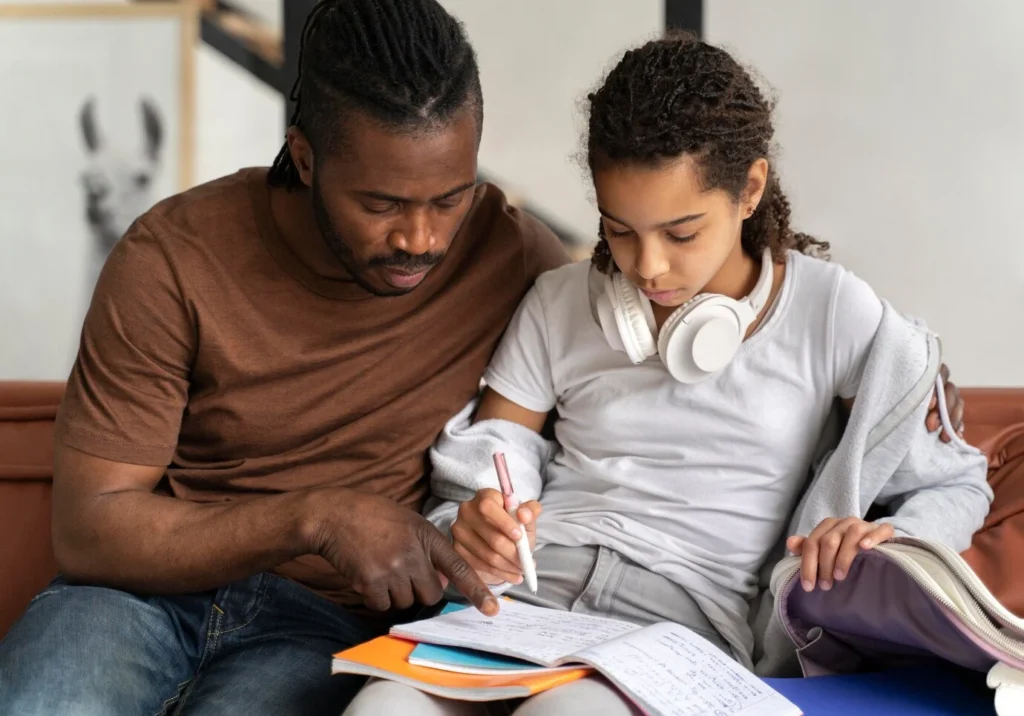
89,650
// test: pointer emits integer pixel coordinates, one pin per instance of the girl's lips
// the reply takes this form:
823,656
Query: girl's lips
660,296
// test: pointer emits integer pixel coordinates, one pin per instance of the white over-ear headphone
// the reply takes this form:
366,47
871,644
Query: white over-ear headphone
697,339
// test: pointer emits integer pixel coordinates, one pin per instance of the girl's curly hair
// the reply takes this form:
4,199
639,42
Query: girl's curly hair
679,96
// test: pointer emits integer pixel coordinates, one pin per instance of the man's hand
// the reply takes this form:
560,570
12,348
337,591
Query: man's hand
829,550
954,404
485,535
390,555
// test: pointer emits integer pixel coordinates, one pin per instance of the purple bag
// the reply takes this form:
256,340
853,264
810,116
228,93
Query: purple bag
906,601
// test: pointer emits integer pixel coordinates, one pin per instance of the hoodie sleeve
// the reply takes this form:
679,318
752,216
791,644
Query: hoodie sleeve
462,462
940,491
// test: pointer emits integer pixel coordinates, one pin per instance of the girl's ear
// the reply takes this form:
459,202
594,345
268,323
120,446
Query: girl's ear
757,180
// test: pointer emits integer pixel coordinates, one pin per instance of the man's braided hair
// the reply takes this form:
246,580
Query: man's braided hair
406,64
678,96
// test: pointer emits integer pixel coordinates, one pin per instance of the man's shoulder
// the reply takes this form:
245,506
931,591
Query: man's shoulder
205,213
504,224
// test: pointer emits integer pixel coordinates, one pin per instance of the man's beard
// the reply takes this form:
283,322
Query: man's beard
400,260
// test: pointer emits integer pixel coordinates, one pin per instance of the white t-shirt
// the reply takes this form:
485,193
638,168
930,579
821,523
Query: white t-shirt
695,482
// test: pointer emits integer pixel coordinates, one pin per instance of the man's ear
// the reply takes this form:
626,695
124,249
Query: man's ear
302,154
757,182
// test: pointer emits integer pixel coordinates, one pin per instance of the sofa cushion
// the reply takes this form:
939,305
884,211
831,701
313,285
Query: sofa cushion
26,547
27,412
988,412
997,551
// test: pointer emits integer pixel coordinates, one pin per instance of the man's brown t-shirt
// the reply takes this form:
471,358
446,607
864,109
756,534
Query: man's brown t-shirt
248,366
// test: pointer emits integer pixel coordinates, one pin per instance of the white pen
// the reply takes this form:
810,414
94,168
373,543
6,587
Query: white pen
511,505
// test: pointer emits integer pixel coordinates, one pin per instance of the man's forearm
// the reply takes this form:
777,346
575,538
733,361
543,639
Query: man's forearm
144,542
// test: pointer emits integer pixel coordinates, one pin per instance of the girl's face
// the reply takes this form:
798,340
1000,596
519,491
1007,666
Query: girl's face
667,235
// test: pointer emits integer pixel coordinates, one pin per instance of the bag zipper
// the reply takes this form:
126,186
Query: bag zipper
983,598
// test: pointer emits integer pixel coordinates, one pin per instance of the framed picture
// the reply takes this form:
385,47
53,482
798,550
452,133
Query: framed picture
99,127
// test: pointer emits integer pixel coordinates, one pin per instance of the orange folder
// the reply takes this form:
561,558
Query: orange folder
387,657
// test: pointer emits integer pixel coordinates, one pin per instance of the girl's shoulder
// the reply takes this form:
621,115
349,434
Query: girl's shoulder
557,296
826,282
846,310
560,290
574,272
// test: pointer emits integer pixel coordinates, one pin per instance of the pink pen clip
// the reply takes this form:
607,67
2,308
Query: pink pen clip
511,505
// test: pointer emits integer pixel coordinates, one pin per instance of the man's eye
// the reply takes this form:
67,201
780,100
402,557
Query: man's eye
382,208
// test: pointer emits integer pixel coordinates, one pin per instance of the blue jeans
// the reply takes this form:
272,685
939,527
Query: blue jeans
258,646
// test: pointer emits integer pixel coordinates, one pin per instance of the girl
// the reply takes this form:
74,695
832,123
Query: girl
694,364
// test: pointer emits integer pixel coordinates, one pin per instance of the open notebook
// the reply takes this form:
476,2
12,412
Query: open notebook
664,668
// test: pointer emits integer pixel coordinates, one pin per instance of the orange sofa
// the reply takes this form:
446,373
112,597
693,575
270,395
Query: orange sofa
994,420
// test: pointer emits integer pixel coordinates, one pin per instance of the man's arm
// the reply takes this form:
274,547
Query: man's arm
110,528
116,432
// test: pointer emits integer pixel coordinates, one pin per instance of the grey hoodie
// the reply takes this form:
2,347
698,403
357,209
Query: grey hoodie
885,456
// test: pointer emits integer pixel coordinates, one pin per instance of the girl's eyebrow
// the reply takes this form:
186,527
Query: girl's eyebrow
664,225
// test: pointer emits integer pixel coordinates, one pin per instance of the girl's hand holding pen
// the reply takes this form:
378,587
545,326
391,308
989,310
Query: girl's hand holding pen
485,535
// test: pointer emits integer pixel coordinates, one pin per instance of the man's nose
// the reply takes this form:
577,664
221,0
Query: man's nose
416,235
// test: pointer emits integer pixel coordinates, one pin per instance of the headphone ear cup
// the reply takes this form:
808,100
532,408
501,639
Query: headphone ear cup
700,338
633,321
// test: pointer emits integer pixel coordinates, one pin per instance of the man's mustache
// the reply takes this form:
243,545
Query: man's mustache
407,262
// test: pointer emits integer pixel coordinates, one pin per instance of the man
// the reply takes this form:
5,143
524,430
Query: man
241,452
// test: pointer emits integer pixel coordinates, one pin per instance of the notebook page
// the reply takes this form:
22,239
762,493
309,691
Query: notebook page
535,634
670,671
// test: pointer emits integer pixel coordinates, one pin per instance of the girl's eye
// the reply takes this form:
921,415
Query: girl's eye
613,232
682,239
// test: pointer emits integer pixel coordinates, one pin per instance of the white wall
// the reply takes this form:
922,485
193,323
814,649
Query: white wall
902,129
902,126
239,122
538,59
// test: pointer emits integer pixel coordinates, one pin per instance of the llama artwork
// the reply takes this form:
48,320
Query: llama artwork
119,176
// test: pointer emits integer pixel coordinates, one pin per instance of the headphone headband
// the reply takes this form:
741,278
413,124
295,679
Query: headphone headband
763,288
